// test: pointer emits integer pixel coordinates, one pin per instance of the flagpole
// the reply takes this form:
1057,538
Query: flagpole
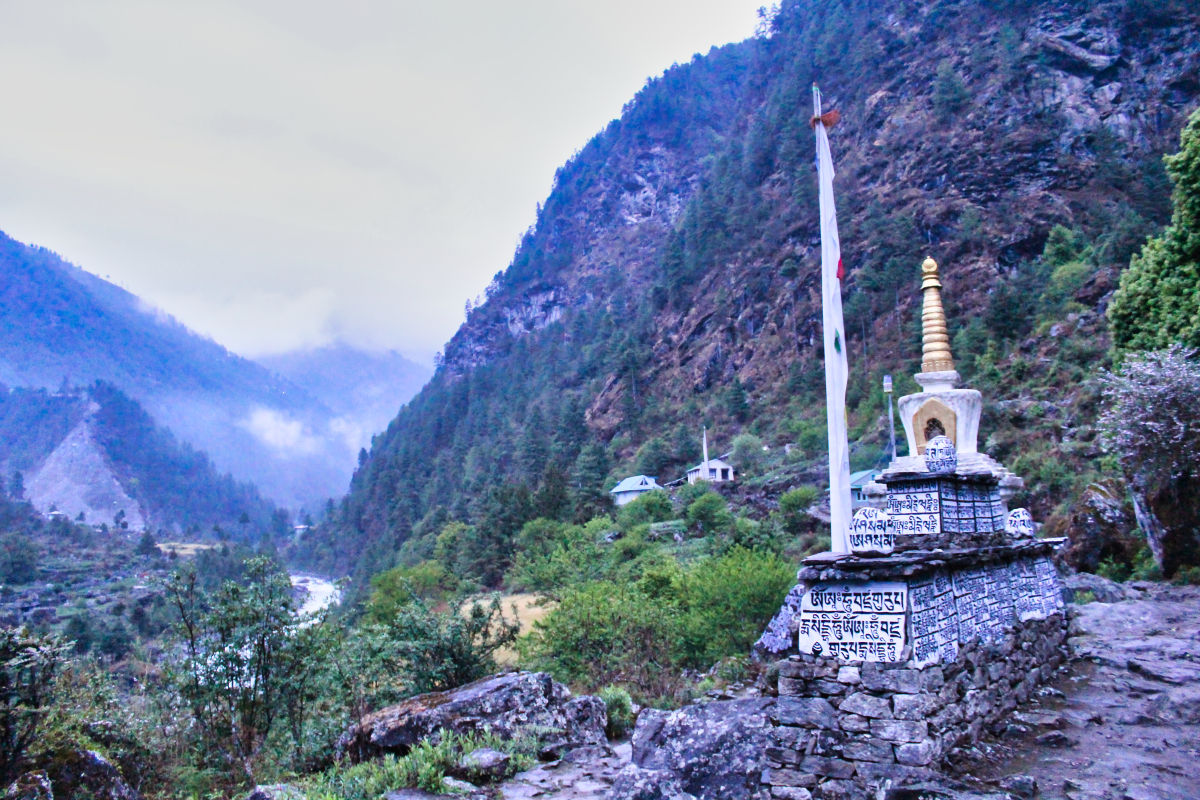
834,336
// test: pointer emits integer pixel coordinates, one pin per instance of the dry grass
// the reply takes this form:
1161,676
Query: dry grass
528,612
184,548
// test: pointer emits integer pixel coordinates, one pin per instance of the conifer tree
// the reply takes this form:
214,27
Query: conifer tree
1158,302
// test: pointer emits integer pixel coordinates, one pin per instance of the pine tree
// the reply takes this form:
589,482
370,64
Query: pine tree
1158,302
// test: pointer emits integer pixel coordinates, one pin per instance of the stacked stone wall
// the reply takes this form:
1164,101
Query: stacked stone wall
842,729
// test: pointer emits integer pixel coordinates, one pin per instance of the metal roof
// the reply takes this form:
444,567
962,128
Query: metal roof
637,483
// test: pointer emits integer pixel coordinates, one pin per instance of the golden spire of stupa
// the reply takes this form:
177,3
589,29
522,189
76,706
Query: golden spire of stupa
935,339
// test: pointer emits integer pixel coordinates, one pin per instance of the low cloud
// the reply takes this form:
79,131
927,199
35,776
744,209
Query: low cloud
281,433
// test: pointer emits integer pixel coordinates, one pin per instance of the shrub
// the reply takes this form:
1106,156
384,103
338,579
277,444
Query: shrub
397,587
748,453
1085,597
794,505
446,649
28,665
730,600
621,718
650,507
710,514
601,633
18,559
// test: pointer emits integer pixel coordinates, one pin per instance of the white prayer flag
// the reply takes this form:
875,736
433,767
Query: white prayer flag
836,368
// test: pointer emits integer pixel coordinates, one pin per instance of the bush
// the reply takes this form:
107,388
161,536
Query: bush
18,559
601,633
794,505
28,665
447,649
710,514
650,507
748,454
397,587
621,718
730,600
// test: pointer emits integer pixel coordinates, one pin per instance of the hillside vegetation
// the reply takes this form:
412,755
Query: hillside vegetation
671,278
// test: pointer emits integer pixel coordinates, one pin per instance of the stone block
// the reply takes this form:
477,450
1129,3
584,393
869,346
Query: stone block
791,793
976,704
789,777
784,755
907,681
871,675
997,671
792,687
867,705
828,767
805,712
932,679
865,748
855,723
796,670
826,743
840,790
875,774
949,693
788,736
849,675
826,687
899,730
915,754
911,706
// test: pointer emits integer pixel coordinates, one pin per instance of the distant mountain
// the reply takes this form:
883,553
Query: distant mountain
363,389
60,324
672,276
96,455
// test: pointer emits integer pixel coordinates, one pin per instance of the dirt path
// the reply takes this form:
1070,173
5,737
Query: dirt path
586,774
1124,722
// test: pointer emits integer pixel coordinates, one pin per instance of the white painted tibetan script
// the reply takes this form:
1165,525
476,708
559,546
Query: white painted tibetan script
854,622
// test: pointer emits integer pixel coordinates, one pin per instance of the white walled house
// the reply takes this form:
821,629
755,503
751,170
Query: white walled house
631,489
714,471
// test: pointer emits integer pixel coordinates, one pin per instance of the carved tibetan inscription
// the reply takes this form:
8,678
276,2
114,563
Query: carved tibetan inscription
914,507
934,619
855,621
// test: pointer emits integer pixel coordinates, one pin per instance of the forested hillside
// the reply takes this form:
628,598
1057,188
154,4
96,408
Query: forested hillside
671,279
171,486
59,323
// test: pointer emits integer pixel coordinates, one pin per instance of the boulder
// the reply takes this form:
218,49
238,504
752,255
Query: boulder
1102,588
276,791
484,763
86,773
30,786
711,751
503,705
1102,526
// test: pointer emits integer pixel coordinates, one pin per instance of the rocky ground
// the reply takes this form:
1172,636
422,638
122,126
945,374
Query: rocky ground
1125,721
1122,722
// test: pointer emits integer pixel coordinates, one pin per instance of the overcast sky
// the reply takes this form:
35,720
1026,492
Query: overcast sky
281,174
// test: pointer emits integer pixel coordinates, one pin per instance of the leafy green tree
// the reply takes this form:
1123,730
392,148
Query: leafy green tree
654,457
950,94
1158,301
444,650
239,659
748,454
146,546
28,665
736,403
794,505
18,559
653,506
730,600
710,514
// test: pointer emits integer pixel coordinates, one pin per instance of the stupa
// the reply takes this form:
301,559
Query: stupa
946,613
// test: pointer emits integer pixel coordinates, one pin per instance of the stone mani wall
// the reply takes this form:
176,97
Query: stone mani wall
843,728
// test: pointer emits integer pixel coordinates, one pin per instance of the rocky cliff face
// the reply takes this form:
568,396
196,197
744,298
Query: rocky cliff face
675,265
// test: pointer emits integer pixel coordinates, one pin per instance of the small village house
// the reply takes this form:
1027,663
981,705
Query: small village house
632,488
713,470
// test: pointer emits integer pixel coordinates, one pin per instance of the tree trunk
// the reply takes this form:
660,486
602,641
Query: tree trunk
1148,522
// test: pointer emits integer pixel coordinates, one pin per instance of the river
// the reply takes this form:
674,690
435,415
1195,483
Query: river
321,592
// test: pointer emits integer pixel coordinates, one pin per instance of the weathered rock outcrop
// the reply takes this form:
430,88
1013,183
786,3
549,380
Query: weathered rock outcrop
1101,527
503,705
714,751
86,773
